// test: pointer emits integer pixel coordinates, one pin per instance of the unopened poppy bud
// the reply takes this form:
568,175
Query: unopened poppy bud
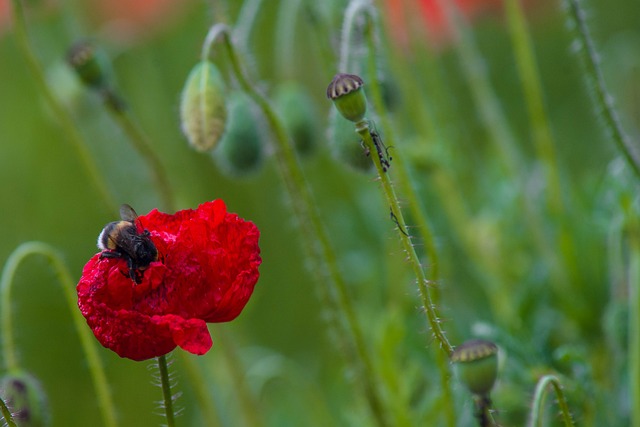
203,113
345,144
298,116
476,364
25,399
241,148
89,63
345,90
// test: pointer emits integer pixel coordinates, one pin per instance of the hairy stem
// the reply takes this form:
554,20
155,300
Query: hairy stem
96,369
423,283
577,16
538,399
6,414
167,398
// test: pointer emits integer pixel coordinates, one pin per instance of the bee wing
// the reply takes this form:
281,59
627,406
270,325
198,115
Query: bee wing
127,213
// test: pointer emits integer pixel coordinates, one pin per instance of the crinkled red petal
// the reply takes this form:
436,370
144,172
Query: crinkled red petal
206,272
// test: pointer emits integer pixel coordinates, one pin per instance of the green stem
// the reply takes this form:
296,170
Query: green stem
142,145
249,405
542,138
483,94
246,21
6,414
404,177
406,185
286,61
88,345
538,399
198,382
423,283
60,112
316,235
165,381
634,314
576,15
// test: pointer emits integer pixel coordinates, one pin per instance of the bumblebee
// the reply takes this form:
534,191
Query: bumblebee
121,239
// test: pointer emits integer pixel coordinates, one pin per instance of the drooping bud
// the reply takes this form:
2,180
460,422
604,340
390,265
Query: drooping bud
203,113
476,363
345,90
90,64
25,399
241,148
298,116
345,144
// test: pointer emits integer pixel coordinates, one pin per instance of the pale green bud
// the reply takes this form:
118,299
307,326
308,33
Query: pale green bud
203,113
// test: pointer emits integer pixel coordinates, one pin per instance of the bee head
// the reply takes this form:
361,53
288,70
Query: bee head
145,250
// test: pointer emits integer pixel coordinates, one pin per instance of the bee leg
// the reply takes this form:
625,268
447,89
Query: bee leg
110,254
134,274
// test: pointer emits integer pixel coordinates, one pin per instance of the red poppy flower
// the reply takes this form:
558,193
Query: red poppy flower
206,270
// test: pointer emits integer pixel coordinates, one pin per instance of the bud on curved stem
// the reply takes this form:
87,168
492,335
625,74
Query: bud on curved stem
25,398
203,113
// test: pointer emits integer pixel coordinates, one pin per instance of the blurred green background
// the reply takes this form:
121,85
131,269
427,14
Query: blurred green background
292,368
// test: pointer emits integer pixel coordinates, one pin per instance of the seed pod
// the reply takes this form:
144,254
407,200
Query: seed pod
345,144
345,90
476,364
203,113
241,148
299,116
25,399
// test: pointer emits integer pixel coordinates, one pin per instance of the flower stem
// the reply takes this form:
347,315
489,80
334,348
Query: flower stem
538,398
141,144
634,312
542,138
165,381
577,16
60,112
9,352
423,283
483,94
404,181
317,240
6,414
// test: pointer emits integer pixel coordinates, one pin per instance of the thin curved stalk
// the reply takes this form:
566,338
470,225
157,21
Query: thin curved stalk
576,15
538,399
6,414
423,283
96,370
61,113
143,146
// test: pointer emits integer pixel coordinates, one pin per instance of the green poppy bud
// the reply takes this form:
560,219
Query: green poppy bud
476,363
345,90
203,113
241,148
298,115
25,399
345,144
90,64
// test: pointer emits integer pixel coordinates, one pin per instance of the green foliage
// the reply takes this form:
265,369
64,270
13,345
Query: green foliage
542,271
